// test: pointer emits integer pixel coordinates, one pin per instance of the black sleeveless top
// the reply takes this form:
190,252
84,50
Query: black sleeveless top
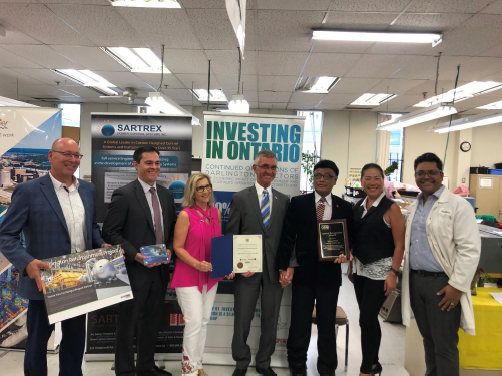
373,238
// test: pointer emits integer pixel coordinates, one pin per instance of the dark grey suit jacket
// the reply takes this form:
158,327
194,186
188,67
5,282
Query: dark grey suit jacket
128,222
245,219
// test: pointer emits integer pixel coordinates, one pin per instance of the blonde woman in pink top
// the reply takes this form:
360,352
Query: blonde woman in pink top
197,224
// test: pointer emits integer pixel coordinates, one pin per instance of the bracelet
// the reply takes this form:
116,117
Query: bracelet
394,271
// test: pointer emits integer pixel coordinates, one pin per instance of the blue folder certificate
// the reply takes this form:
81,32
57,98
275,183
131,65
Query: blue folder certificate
237,253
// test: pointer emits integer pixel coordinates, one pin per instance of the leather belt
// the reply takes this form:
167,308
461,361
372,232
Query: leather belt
424,273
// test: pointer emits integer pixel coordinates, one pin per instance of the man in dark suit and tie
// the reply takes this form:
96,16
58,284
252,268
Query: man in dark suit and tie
258,209
141,213
56,213
314,282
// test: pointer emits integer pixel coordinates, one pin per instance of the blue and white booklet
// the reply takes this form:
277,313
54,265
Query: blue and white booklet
154,254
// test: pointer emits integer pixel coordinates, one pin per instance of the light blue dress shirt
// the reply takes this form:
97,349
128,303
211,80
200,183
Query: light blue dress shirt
421,256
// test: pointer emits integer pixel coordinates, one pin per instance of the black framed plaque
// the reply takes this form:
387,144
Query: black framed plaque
332,240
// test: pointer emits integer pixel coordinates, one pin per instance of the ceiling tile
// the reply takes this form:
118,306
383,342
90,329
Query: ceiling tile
14,36
179,94
185,61
154,80
333,65
229,82
277,83
428,87
378,66
335,98
404,100
475,69
10,60
44,56
332,107
355,85
227,61
359,20
277,96
123,79
447,6
299,97
381,48
389,108
45,76
347,47
287,30
199,81
197,4
103,25
277,106
294,4
429,22
77,2
495,51
395,86
281,63
38,21
92,58
12,75
302,106
250,95
495,8
370,5
169,27
425,67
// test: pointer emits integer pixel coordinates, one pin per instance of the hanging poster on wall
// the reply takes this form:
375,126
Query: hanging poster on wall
231,142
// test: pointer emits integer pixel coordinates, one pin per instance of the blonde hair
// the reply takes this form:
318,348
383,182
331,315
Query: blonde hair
188,196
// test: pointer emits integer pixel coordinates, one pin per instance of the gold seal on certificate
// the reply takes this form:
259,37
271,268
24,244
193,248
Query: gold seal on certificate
332,241
248,253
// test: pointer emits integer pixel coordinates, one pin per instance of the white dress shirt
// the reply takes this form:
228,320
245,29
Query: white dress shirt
73,212
328,206
259,190
146,188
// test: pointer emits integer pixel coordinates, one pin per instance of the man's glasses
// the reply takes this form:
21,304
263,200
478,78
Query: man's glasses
268,167
68,155
202,188
422,173
325,176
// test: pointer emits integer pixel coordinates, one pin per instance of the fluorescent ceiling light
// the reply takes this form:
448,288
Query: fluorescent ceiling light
492,106
419,116
202,96
319,85
468,122
137,60
89,79
369,99
8,102
462,93
238,105
146,3
364,36
166,105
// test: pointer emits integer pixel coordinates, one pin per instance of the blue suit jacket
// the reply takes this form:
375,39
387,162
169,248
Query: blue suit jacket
35,210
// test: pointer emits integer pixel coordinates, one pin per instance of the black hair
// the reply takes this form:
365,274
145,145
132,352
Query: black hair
429,157
138,153
326,163
367,166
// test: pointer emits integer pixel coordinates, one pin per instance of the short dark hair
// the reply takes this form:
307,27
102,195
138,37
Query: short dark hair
138,153
367,166
326,163
429,157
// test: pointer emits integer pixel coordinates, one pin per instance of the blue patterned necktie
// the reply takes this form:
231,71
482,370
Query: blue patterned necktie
265,208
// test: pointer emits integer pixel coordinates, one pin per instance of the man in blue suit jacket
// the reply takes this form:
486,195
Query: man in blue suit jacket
56,212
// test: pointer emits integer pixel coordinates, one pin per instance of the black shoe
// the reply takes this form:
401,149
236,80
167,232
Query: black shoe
377,369
266,371
298,371
238,372
327,374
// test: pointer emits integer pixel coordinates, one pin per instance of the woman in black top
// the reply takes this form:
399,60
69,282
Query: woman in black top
378,252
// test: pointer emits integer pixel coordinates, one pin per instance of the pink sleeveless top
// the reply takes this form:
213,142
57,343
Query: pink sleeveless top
198,245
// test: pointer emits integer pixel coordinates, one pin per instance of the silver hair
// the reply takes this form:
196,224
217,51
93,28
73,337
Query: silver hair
264,154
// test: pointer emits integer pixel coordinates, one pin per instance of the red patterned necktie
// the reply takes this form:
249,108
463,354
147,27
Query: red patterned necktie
320,209
156,217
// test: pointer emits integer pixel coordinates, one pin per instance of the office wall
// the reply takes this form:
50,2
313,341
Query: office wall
486,145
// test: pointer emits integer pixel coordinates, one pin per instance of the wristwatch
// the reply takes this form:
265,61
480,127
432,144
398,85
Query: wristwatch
394,271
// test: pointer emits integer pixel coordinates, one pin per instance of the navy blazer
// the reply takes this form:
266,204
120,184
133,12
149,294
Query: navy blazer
35,210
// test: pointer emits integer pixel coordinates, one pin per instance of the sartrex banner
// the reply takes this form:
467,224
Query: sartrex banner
231,142
115,137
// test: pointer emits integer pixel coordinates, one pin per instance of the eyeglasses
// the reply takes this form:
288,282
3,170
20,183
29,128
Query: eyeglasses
68,155
422,173
325,176
202,188
268,167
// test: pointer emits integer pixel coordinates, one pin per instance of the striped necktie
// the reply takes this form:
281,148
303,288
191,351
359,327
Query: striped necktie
320,209
265,208
156,217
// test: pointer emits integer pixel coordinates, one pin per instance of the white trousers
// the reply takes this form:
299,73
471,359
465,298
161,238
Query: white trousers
196,308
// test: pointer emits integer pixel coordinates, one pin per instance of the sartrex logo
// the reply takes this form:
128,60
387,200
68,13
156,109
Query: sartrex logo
106,128
3,124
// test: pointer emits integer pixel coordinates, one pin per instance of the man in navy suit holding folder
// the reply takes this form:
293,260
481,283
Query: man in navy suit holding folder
56,212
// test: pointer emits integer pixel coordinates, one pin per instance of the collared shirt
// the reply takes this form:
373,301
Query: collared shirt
328,206
377,270
259,190
146,188
73,212
421,256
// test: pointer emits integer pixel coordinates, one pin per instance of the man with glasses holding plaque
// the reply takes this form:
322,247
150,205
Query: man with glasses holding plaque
442,246
318,277
258,209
